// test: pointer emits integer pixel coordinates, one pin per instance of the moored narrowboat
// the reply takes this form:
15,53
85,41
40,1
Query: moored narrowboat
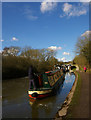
48,84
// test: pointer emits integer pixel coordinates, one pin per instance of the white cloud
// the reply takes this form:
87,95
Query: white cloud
59,59
63,59
67,7
14,39
1,40
54,48
66,53
47,5
72,10
87,33
29,13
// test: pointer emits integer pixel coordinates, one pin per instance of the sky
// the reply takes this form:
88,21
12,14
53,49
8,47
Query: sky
52,25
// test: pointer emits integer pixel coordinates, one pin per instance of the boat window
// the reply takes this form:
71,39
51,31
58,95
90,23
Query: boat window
58,74
55,77
51,80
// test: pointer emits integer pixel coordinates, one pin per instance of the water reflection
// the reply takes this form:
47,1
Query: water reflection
45,106
16,103
69,78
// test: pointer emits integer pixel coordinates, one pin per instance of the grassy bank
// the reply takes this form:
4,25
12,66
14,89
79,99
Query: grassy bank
75,99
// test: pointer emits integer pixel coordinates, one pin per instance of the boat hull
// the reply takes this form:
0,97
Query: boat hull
39,94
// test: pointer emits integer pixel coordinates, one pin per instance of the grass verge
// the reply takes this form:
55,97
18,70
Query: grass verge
75,99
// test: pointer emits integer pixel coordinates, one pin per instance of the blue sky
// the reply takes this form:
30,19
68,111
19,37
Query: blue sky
40,25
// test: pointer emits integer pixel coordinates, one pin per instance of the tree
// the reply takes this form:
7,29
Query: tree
38,54
42,59
11,51
83,47
81,60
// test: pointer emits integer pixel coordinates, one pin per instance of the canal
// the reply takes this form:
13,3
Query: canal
16,104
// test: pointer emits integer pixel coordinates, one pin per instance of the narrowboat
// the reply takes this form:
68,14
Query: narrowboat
48,84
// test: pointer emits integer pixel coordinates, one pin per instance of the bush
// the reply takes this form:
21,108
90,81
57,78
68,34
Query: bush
13,67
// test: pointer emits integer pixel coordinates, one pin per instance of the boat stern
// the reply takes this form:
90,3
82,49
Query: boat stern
38,94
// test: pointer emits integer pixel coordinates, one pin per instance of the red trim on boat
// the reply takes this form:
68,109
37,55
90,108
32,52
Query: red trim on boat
39,96
48,72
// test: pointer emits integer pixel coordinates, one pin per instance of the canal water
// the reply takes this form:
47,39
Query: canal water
16,103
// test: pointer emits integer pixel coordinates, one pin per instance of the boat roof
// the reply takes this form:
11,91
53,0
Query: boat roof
51,72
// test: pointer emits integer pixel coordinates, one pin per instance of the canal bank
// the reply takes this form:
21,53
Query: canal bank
65,106
78,105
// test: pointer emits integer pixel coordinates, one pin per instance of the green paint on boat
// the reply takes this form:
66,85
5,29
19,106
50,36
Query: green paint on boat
45,81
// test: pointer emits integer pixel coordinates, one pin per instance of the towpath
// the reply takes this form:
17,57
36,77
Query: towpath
81,110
